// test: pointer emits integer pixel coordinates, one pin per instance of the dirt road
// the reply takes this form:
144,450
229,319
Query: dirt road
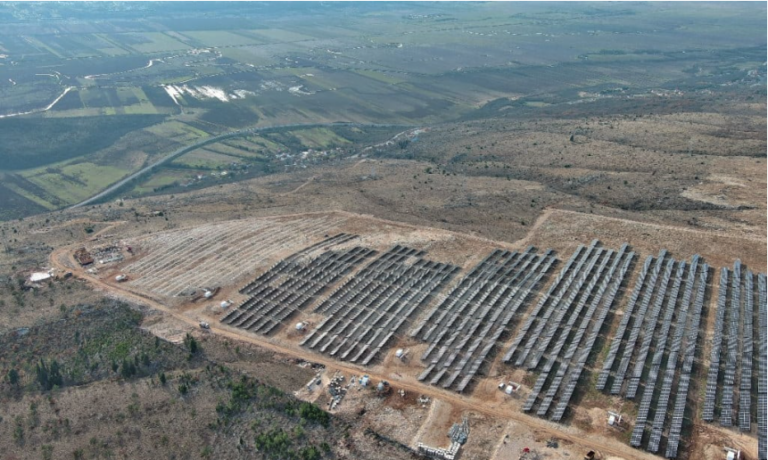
62,259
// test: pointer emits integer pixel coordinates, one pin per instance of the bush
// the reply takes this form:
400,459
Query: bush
309,453
274,443
313,413
18,430
13,377
128,369
191,343
49,376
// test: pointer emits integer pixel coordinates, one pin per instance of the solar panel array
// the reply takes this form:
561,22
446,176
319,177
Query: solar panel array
740,298
708,412
571,313
463,329
365,313
691,340
732,340
745,385
649,291
661,321
674,351
294,283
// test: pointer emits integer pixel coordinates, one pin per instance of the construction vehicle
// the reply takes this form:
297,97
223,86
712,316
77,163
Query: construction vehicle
732,454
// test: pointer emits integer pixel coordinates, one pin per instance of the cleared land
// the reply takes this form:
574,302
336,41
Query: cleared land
157,271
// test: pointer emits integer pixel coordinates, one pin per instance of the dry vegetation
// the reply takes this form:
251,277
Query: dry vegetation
691,182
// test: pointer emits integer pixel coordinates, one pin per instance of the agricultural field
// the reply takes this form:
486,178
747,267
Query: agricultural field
418,65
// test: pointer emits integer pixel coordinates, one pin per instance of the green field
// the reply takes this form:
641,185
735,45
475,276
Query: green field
147,83
75,182
205,159
160,180
319,138
60,139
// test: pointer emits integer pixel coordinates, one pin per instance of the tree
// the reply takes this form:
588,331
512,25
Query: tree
313,413
191,343
163,379
128,369
49,376
13,377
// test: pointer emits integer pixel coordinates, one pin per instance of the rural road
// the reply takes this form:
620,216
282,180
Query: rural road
210,140
62,259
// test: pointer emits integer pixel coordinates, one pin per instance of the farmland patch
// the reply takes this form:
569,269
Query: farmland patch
59,139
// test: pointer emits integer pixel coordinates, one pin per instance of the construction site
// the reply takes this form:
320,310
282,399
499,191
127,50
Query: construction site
651,344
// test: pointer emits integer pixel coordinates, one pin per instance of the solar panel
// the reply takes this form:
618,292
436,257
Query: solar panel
629,348
557,284
717,340
619,336
726,412
651,327
672,361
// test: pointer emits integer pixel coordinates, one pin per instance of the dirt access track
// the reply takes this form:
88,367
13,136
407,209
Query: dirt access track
230,254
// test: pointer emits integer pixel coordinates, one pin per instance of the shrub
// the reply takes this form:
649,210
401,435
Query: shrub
309,453
128,369
313,413
275,442
13,377
191,343
48,376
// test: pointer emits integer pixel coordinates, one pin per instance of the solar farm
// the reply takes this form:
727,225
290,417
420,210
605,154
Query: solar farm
602,316
670,293
365,313
734,398
466,325
591,279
